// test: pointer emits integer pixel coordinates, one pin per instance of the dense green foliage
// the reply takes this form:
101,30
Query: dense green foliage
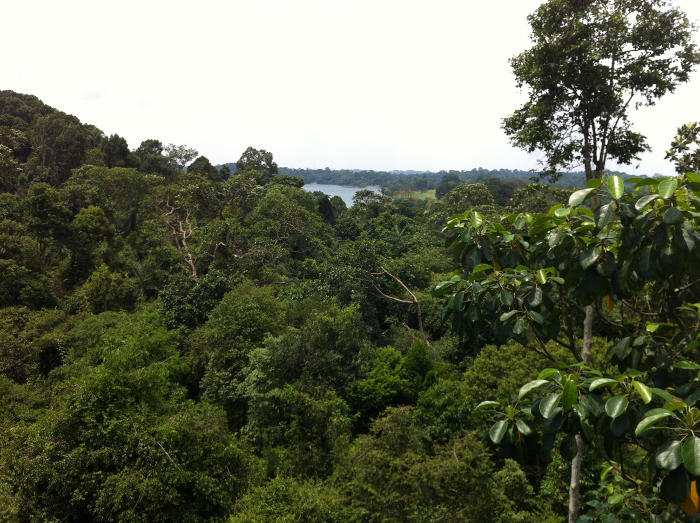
185,342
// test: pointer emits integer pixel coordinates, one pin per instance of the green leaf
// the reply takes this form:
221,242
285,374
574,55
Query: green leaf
667,188
601,382
616,187
650,421
643,391
663,394
530,386
547,373
523,427
535,298
606,213
673,216
498,430
691,455
485,404
542,276
616,406
507,315
669,455
686,365
570,394
548,405
536,317
562,212
476,219
481,267
519,326
589,257
594,183
645,200
578,197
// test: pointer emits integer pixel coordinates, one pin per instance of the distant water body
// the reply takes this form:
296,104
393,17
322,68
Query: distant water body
346,193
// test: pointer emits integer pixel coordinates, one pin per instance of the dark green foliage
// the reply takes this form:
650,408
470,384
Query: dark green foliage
187,301
257,160
587,63
191,344
115,151
202,166
391,475
118,441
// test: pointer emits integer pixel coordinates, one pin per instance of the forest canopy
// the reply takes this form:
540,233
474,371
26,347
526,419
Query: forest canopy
186,341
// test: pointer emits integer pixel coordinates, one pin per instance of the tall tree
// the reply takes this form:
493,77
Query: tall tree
257,160
591,62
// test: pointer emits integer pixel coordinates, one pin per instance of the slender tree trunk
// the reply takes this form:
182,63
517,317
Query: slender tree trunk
575,482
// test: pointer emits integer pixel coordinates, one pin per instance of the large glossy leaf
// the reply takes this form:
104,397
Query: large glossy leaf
589,257
547,373
606,213
650,421
645,200
616,187
669,455
523,427
667,188
548,405
507,315
532,385
601,382
535,297
476,219
643,390
673,216
578,197
570,394
616,406
691,455
498,430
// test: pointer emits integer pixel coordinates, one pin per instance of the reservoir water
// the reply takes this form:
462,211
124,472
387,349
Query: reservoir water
346,193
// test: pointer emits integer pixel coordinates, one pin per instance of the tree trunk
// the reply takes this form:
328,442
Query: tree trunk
574,484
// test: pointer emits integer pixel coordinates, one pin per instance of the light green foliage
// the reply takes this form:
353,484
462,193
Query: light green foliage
685,149
385,384
458,200
286,500
499,372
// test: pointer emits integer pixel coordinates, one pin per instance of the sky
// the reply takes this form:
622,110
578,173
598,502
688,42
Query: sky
365,84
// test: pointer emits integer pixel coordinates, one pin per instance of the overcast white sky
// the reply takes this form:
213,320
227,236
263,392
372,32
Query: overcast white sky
371,84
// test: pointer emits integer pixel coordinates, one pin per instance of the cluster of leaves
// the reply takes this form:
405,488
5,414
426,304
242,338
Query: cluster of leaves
635,261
